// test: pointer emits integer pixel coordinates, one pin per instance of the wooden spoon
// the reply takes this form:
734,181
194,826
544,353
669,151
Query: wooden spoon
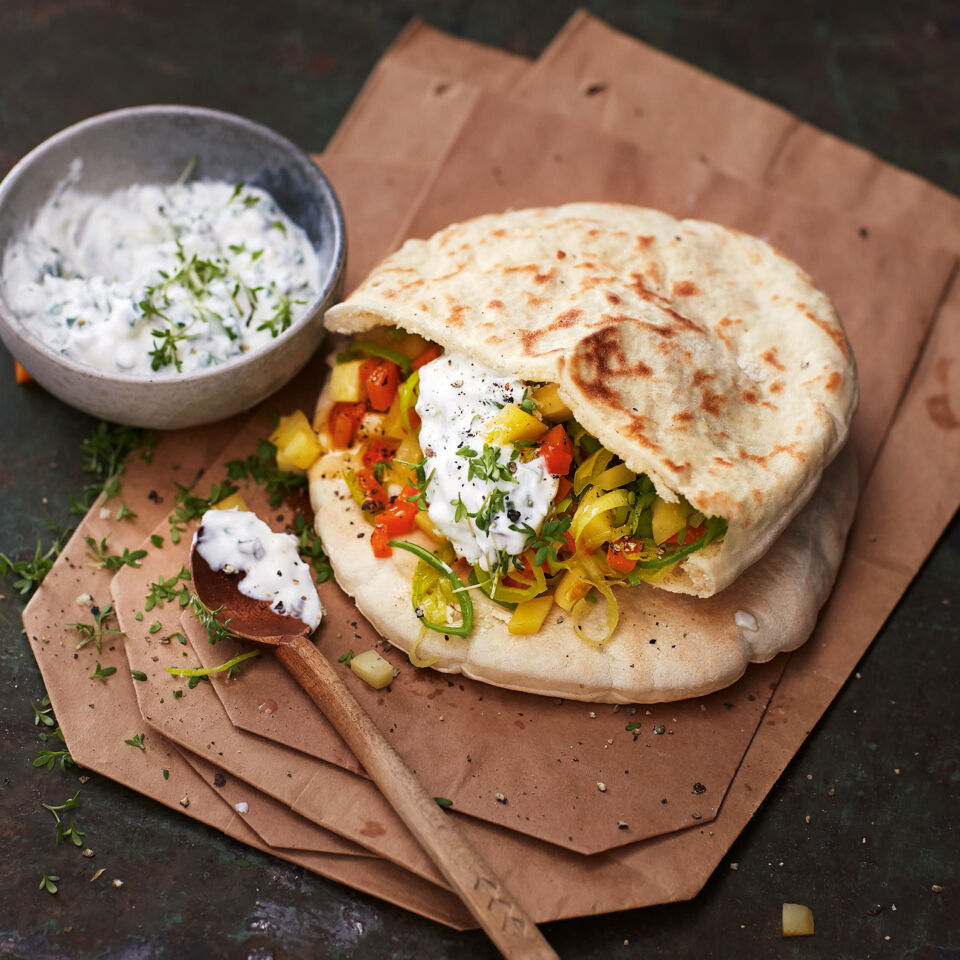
491,904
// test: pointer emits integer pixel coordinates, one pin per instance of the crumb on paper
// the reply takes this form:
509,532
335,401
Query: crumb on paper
185,802
601,786
84,600
500,798
242,806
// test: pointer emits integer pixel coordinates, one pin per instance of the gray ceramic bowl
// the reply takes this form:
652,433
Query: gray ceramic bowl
153,145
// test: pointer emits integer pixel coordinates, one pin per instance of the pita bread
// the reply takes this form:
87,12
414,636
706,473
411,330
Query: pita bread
699,355
666,647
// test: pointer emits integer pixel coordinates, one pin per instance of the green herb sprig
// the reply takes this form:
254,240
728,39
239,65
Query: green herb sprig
261,467
30,573
310,547
164,589
97,630
187,506
216,631
545,543
103,673
48,883
100,558
72,833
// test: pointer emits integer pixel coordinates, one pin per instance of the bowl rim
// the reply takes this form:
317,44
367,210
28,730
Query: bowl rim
21,169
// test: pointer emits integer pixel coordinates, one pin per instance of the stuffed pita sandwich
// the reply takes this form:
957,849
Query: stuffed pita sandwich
558,436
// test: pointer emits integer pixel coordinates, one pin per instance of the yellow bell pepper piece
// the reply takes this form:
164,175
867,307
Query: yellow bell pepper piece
548,401
512,424
373,669
668,519
345,383
529,616
228,503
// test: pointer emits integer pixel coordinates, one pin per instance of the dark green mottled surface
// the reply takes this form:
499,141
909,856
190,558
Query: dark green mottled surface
885,75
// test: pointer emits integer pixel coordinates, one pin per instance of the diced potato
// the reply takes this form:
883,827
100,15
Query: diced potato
797,920
571,589
512,424
288,427
547,399
668,519
228,503
373,669
529,616
296,443
345,383
299,453
423,521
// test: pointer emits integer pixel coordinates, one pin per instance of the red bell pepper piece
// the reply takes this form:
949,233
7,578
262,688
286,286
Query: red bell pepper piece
557,451
400,513
381,379
379,450
431,353
343,421
380,541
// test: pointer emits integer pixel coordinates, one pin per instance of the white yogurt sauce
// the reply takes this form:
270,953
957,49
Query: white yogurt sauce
457,398
152,280
235,540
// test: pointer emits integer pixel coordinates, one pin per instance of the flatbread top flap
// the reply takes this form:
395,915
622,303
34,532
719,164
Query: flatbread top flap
700,355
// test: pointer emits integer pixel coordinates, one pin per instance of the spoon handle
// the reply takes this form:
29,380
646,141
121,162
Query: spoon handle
492,905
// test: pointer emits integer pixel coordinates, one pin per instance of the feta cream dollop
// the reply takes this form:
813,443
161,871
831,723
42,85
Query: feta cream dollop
239,541
477,506
153,280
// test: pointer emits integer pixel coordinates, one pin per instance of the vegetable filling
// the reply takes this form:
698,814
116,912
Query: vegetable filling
519,499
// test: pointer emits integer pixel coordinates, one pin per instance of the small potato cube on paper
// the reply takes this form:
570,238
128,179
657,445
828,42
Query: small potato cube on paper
797,920
373,669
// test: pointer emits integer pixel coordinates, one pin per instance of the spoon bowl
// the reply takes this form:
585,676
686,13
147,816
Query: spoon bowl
255,621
